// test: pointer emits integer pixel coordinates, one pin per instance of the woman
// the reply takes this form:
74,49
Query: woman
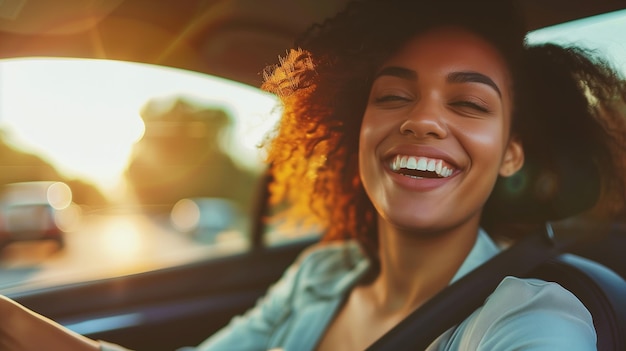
399,120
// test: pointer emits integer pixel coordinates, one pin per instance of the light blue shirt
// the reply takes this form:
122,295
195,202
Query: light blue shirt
521,314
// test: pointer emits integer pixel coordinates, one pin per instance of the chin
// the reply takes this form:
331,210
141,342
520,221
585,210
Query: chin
430,222
426,225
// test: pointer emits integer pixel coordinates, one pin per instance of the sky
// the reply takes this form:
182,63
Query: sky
84,114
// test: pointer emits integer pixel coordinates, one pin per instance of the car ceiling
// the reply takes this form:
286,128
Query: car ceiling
234,39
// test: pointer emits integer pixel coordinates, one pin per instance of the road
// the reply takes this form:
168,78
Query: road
103,246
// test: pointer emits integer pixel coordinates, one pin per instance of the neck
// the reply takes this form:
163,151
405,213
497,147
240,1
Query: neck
415,266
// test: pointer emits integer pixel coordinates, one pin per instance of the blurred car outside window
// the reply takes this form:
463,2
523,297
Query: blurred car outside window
33,211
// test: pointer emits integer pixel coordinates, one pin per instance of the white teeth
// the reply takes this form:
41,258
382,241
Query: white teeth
446,172
431,165
395,166
412,163
421,164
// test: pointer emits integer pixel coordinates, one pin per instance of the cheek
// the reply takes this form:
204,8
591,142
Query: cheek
372,133
485,146
366,135
376,125
368,132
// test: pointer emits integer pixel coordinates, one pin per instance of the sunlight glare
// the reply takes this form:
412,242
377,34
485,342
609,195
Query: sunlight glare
59,195
83,115
123,240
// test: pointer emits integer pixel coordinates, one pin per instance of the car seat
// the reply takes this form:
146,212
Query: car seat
600,289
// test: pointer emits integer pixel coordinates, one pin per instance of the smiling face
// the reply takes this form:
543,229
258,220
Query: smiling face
435,134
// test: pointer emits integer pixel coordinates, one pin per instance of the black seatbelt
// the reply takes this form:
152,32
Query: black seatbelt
457,301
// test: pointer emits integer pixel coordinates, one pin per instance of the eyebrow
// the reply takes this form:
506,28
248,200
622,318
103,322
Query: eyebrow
473,77
398,72
454,77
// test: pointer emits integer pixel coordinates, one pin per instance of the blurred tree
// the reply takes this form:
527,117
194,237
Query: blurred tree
181,156
19,166
85,193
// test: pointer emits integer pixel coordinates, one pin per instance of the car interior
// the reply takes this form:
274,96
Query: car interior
181,304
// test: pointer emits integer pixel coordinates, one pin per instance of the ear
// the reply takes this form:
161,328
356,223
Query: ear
513,158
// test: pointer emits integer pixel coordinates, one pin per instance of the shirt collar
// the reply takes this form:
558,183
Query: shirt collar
356,266
484,249
348,264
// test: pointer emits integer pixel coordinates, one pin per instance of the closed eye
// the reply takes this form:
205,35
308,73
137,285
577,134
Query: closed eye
390,98
471,105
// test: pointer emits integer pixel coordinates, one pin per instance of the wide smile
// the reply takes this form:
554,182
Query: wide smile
421,167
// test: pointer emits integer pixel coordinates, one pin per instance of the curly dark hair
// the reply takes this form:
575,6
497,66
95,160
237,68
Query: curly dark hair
568,113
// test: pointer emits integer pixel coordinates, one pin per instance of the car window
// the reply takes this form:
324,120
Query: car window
110,168
160,167
601,33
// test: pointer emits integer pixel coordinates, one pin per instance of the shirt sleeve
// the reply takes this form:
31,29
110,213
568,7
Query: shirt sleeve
530,315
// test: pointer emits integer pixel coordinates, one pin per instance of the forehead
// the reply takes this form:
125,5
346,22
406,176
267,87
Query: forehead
452,49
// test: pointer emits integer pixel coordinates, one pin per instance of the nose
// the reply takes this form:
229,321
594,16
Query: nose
424,122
